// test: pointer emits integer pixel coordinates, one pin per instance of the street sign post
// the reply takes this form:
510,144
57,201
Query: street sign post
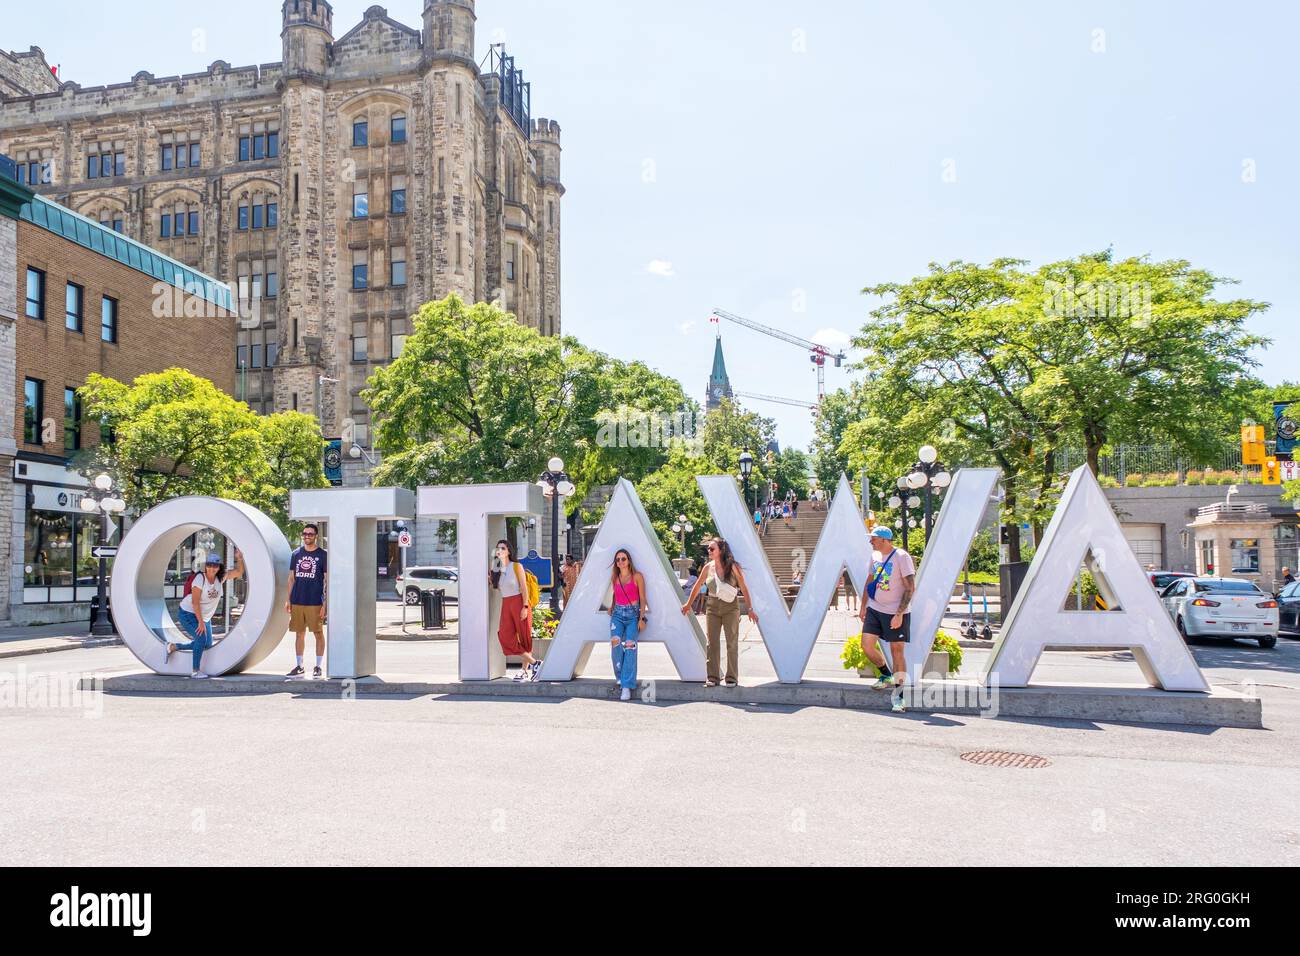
100,552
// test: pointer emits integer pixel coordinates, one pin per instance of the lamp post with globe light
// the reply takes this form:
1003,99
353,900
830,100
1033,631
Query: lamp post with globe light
746,469
555,484
682,528
907,503
102,499
932,475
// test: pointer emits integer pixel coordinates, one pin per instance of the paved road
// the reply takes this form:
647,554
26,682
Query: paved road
268,780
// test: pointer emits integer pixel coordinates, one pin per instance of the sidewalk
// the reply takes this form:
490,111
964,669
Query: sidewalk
48,638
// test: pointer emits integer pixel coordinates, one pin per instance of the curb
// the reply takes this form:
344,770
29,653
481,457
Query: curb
1096,703
79,646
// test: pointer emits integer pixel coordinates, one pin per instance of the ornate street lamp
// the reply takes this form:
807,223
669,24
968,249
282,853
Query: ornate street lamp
555,484
102,499
932,475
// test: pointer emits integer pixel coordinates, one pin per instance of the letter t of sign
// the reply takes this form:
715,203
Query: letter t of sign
352,516
480,513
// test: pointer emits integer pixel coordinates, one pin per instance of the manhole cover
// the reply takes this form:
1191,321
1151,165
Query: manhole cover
998,758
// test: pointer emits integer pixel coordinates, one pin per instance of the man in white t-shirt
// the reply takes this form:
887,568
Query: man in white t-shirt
886,614
196,612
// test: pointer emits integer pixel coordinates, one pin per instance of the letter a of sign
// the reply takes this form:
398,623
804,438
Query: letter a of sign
1085,523
790,635
586,617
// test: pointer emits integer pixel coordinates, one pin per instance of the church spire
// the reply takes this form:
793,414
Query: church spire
719,382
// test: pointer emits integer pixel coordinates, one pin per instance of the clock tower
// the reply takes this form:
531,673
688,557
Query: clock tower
719,383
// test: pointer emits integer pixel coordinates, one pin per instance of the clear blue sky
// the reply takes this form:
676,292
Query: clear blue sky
798,150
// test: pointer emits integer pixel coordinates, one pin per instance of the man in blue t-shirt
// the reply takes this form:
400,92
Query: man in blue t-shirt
308,578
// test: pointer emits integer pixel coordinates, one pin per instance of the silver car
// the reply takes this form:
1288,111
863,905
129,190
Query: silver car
413,581
1223,608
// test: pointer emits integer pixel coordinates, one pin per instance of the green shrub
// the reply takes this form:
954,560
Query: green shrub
855,658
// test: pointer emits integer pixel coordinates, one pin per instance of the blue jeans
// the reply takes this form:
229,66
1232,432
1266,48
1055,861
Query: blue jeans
623,625
200,642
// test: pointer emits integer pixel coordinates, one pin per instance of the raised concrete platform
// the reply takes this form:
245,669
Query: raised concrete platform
1222,708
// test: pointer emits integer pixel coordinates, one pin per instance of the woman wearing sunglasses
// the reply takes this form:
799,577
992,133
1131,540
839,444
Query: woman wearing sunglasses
726,584
627,619
515,631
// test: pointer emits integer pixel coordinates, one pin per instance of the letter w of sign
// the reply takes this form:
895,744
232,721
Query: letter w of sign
844,545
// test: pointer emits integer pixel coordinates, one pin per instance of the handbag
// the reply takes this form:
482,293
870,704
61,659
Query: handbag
723,591
880,572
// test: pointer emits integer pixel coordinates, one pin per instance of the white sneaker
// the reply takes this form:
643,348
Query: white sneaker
626,695
535,672
521,676
199,675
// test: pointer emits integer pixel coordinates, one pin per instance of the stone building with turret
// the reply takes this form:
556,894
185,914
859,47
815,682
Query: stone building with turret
338,190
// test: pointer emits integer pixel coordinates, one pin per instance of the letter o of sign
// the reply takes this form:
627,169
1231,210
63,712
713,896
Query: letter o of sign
139,606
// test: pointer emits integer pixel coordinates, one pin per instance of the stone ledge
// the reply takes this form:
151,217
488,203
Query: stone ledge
1112,704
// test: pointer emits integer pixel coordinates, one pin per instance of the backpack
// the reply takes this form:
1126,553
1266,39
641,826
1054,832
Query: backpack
534,589
189,585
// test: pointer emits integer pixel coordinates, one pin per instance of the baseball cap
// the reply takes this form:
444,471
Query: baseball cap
885,534
214,560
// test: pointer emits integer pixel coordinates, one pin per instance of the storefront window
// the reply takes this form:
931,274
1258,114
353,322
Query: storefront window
57,563
48,549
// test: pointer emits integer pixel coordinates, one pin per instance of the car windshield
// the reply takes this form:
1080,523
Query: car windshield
1226,587
1164,580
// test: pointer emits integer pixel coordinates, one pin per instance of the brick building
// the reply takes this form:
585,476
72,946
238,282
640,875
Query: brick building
77,297
337,190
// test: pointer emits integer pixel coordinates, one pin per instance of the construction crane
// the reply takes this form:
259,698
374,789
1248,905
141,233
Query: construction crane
812,406
819,354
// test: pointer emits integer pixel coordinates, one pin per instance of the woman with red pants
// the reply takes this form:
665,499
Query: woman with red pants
516,629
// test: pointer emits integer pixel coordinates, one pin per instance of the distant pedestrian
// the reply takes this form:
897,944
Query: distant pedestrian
569,578
850,594
794,510
196,620
308,580
785,512
1287,577
726,583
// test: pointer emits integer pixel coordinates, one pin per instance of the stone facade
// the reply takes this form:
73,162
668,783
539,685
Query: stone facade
458,189
8,375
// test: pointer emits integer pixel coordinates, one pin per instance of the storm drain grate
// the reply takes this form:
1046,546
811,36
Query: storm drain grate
999,758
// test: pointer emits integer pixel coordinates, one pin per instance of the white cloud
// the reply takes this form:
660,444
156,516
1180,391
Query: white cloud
833,339
660,267
687,328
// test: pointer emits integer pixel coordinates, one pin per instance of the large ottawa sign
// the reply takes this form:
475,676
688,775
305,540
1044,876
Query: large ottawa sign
1083,529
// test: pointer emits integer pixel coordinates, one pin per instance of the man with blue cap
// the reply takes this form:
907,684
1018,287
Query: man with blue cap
886,614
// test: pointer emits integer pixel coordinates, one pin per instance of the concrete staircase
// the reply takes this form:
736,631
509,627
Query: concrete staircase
785,545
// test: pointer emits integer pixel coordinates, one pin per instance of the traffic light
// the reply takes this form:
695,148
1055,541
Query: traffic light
1272,472
1252,445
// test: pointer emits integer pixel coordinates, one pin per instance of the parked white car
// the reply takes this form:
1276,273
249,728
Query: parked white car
415,580
1224,608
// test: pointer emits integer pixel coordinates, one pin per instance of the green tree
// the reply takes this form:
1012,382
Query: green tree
1004,366
477,397
839,410
672,491
173,434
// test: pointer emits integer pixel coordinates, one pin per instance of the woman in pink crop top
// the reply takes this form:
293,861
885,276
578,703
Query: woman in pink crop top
627,619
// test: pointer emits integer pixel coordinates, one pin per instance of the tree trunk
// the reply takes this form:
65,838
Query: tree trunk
1013,530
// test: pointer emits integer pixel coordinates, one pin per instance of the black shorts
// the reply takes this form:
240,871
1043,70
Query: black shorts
877,625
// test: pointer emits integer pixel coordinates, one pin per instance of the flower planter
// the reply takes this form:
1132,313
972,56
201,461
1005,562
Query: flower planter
936,666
